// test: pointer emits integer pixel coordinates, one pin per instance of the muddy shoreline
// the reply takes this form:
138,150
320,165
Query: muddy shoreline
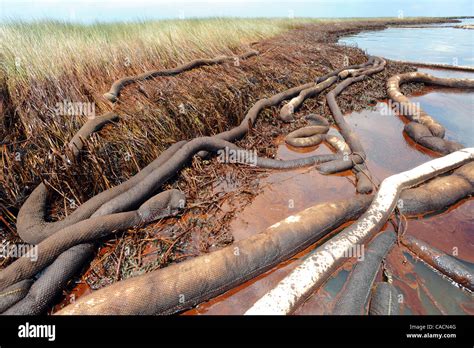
231,188
218,192
236,187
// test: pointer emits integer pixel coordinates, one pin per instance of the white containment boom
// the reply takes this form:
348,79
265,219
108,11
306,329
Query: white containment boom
321,262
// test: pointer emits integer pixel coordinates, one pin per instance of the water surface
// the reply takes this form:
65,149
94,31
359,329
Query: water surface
389,151
439,43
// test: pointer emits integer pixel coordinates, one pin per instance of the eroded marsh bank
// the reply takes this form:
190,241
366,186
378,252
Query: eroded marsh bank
228,203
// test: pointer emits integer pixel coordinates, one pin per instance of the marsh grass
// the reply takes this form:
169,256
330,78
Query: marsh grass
50,49
46,50
46,63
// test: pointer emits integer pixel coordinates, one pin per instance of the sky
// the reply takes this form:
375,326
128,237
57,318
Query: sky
89,11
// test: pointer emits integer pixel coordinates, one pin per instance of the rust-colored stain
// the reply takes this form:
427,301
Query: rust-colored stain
287,192
283,193
239,299
79,290
388,152
422,295
450,231
405,279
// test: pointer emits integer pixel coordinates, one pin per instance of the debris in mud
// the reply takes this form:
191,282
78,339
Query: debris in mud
161,111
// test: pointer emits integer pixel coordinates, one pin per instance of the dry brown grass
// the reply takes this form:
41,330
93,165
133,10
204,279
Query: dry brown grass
79,65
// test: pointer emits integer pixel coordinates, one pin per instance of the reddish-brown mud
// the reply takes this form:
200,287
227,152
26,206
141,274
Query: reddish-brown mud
388,152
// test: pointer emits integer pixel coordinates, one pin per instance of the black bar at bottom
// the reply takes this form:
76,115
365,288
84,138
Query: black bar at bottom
190,330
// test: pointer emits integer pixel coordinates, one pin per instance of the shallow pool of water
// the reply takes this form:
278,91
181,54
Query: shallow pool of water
389,151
